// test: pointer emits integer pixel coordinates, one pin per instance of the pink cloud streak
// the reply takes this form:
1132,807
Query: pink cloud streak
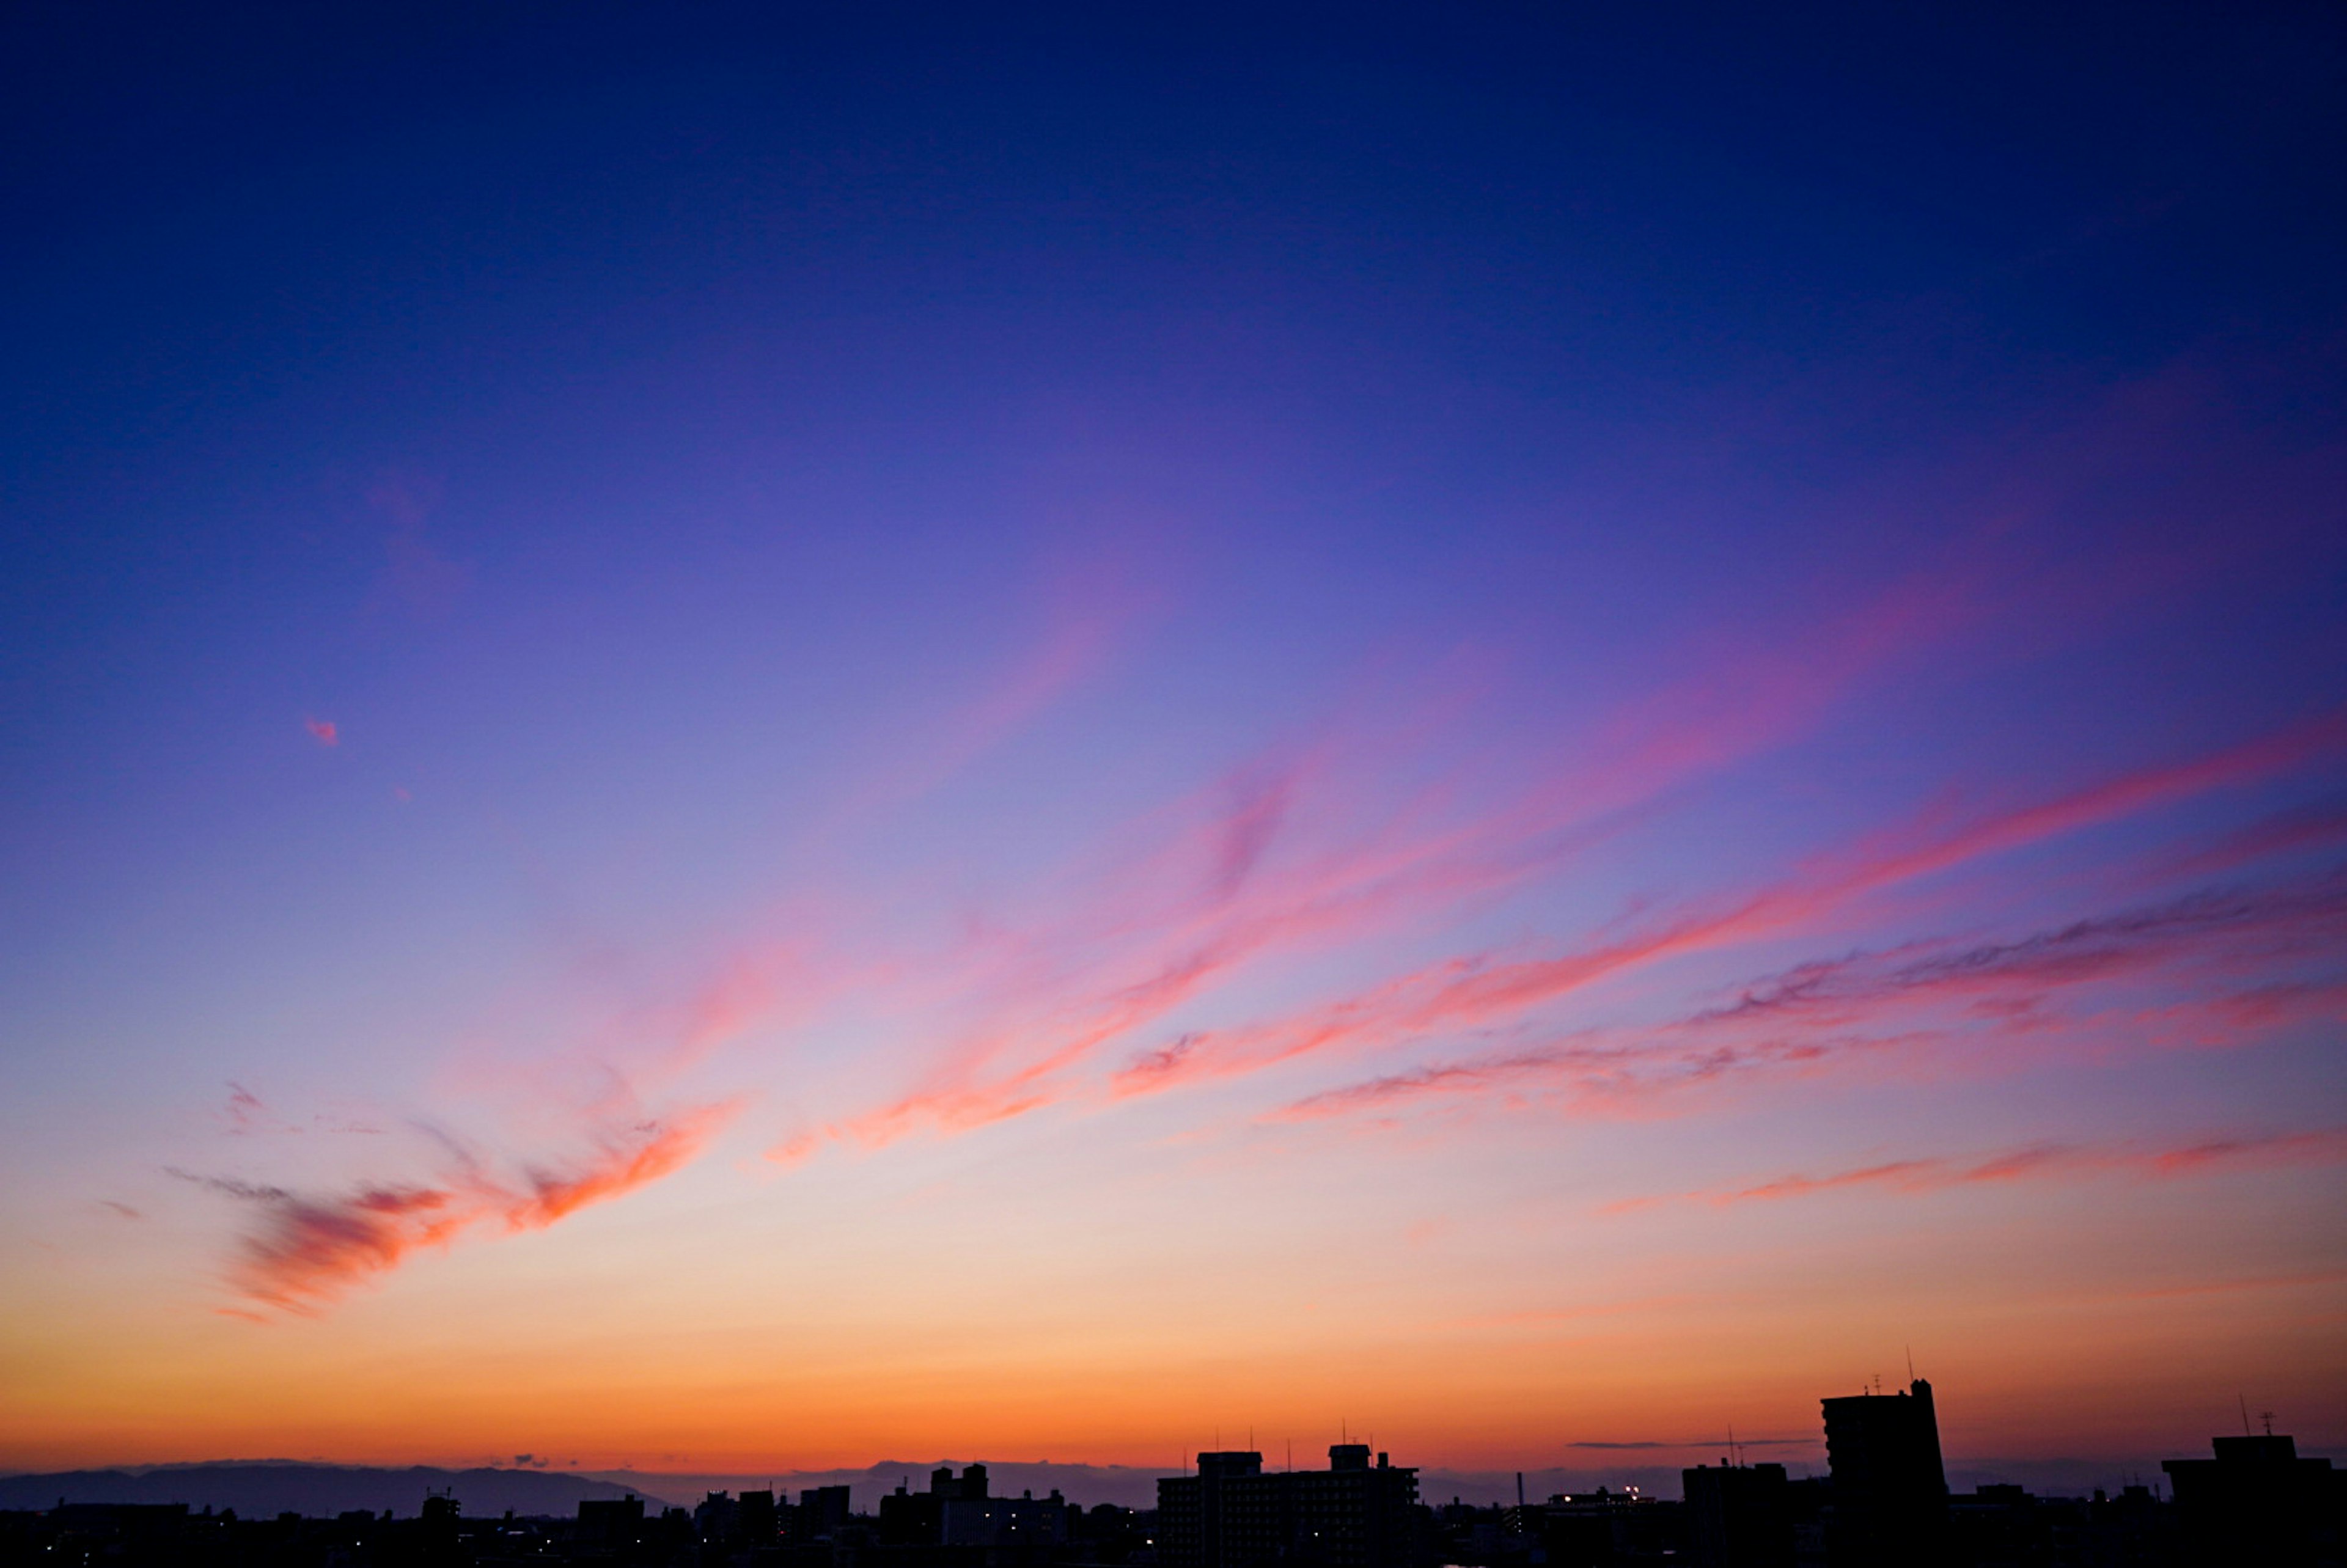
1928,996
306,1252
2042,1161
1473,991
1237,884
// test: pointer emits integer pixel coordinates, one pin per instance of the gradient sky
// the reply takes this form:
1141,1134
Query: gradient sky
765,738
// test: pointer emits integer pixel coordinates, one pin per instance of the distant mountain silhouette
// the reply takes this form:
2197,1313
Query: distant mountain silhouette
263,1489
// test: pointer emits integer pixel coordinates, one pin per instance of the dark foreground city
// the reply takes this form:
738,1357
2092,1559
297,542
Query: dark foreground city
2256,1503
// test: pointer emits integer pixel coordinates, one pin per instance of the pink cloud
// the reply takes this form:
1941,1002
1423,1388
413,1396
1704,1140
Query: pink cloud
1476,991
1933,998
2232,1286
1616,1072
322,731
2045,1161
2011,976
306,1252
244,1110
623,1160
2266,756
2305,828
1234,880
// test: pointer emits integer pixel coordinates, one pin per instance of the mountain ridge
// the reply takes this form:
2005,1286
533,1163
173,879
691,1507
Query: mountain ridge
268,1487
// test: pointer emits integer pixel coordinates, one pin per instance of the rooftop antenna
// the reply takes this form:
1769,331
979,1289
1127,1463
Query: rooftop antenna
2245,1414
2267,1416
1910,1363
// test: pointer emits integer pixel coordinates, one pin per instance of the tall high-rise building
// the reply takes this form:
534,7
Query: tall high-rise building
1889,1498
1231,1514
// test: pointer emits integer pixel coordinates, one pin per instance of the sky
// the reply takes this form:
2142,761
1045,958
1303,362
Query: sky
769,738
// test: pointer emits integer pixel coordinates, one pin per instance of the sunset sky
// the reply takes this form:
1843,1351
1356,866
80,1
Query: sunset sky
765,738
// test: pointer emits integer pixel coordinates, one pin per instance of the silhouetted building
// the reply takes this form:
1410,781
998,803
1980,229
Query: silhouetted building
1805,1503
717,1517
909,1518
756,1520
2134,1527
1231,1514
1737,1516
822,1511
967,1515
2259,1502
990,1522
611,1522
970,1485
2001,1523
1890,1502
1608,1529
959,1510
1108,1533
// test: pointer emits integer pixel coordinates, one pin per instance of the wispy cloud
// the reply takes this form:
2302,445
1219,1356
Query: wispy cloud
2011,977
2283,832
244,1110
1234,880
1480,989
1923,996
2037,1161
322,731
2310,1279
304,1251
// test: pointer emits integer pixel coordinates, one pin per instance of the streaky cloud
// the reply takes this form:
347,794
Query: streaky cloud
1231,883
1923,997
1478,990
304,1251
2039,1161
